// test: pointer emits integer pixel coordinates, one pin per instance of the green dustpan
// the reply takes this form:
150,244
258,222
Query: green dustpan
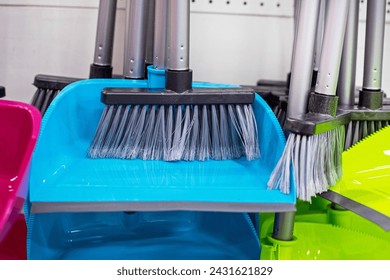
327,235
318,241
366,178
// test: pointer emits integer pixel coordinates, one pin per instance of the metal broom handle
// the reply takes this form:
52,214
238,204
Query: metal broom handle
373,54
160,34
150,18
332,46
135,34
347,77
105,33
302,61
178,35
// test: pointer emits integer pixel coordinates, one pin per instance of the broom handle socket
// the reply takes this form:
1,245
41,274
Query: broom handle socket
134,56
105,33
178,35
373,53
150,31
302,58
332,46
160,34
347,77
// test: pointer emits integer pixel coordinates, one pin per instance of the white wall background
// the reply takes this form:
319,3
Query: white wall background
239,43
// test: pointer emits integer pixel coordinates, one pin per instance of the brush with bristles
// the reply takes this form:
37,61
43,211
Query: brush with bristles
314,149
178,122
49,86
370,115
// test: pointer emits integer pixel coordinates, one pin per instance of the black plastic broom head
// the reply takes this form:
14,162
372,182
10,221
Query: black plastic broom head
199,124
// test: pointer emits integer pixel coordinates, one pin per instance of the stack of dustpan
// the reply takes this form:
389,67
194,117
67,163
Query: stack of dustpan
19,128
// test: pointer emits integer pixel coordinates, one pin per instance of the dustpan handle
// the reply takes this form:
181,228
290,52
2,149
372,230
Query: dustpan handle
101,67
373,54
302,62
150,18
332,46
135,34
160,34
178,74
347,77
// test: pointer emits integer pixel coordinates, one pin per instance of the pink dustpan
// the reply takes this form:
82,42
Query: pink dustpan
19,129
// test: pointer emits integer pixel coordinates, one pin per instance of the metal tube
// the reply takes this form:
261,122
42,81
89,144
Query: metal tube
160,34
178,35
319,35
332,46
150,31
302,62
347,77
105,33
134,57
373,54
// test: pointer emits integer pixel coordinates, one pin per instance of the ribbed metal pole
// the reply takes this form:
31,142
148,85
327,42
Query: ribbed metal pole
302,62
105,33
373,54
332,46
347,77
134,57
160,34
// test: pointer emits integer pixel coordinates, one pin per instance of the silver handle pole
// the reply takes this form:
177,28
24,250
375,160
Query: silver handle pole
160,34
178,35
332,46
302,63
134,62
347,77
150,31
373,54
105,33
319,35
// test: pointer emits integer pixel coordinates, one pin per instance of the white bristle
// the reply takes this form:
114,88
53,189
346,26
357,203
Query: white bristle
176,132
316,162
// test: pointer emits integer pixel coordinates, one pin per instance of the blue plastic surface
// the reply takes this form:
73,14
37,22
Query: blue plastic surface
142,235
61,172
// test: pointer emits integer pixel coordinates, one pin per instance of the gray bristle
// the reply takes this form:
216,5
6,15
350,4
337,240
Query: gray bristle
358,130
173,133
316,162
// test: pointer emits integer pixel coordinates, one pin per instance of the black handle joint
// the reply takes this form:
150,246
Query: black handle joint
99,71
371,99
178,81
323,104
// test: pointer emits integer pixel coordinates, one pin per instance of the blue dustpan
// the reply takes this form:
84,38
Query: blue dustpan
63,179
142,235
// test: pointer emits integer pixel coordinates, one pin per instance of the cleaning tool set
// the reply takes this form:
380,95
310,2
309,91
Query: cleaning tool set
316,153
49,86
178,123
